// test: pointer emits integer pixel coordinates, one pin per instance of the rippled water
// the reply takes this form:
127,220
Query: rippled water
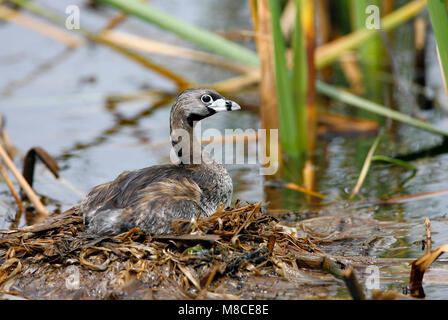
55,98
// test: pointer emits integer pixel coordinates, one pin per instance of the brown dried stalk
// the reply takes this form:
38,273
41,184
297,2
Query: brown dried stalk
353,285
423,263
40,208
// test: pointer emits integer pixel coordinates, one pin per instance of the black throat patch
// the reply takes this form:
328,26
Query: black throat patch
198,117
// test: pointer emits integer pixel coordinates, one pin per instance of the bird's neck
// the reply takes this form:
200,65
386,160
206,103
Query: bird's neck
186,147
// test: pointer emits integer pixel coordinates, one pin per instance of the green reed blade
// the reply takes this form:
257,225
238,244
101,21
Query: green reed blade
439,17
286,110
201,37
394,161
359,102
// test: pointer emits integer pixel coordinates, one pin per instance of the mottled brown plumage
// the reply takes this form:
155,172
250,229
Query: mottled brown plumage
150,198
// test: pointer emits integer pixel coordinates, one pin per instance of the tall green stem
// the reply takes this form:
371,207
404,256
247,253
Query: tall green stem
286,110
439,17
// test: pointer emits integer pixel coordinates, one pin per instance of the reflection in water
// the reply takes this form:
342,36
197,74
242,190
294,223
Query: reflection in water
120,122
12,86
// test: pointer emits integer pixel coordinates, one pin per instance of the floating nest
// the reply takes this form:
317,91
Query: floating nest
230,254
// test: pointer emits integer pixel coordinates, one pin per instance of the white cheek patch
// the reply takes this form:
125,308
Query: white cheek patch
221,105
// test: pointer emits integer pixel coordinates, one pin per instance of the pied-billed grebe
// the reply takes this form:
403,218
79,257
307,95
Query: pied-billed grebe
149,198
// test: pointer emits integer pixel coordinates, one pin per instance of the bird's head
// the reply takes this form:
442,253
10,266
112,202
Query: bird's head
196,104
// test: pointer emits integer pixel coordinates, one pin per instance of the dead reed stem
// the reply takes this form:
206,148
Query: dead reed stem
38,205
308,9
157,47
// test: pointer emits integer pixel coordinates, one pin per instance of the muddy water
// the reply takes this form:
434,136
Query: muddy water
55,98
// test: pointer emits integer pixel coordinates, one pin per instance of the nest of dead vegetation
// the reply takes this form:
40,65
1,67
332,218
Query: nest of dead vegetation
58,259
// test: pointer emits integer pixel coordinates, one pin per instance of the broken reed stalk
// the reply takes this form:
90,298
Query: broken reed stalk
40,208
353,285
29,164
420,265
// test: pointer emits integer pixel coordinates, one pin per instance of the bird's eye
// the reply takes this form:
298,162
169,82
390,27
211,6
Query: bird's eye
206,98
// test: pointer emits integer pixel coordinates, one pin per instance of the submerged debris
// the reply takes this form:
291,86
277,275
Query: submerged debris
59,260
